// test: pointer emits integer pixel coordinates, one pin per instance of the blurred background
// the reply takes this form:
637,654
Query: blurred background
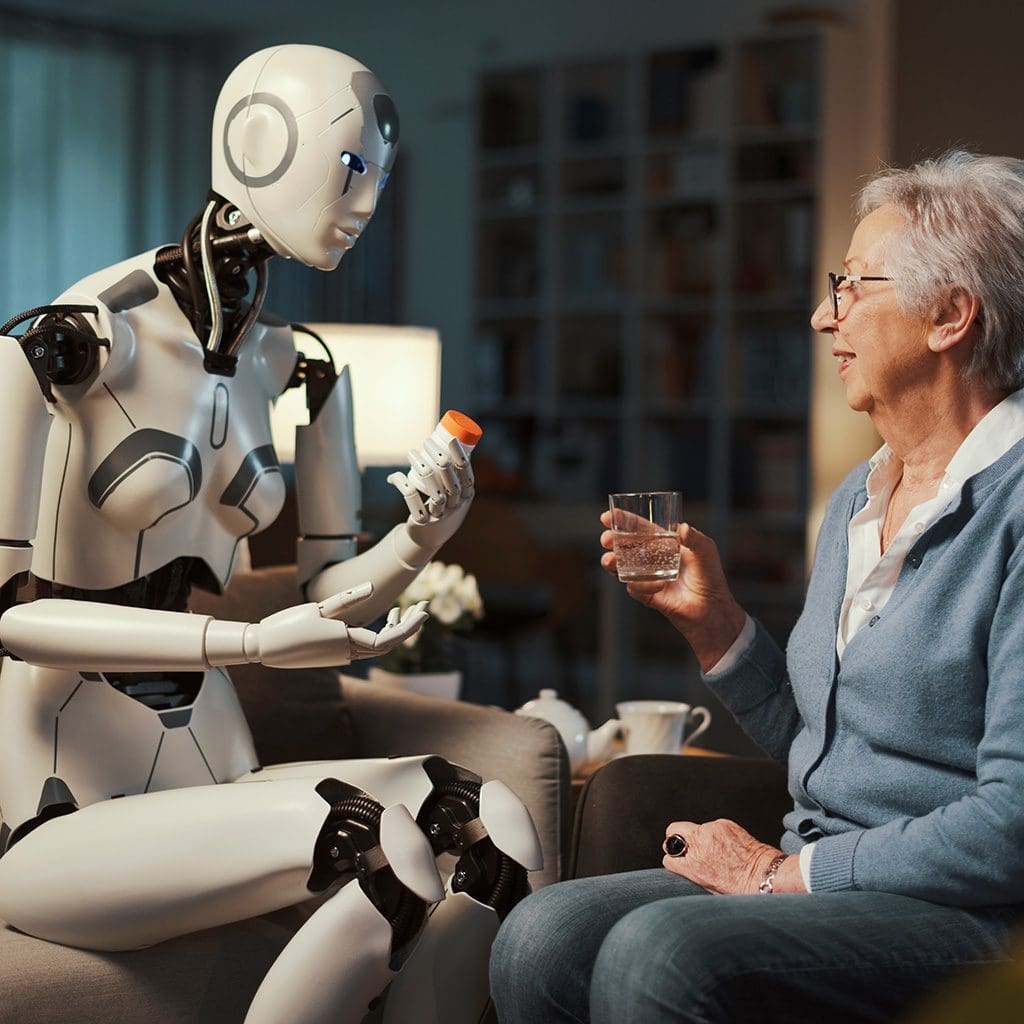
618,215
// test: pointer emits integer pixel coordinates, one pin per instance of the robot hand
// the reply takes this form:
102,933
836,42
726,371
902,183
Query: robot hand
439,481
312,635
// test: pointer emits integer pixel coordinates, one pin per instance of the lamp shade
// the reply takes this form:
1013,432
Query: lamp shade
396,389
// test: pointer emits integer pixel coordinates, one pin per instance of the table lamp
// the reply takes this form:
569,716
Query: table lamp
396,389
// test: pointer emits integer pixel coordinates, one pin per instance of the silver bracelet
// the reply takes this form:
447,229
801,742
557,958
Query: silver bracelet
767,885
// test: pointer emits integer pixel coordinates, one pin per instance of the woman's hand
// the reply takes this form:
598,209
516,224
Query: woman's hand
698,602
724,858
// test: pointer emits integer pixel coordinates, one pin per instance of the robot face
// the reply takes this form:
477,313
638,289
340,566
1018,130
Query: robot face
304,139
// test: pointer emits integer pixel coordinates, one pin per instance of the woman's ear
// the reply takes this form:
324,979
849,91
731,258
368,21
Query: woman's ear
954,320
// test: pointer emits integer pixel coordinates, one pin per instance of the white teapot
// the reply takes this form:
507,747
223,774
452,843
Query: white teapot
582,743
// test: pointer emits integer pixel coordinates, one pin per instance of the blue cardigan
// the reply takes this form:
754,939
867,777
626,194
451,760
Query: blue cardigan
906,761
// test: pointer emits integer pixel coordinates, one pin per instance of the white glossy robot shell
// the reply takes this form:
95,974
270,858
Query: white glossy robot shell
304,138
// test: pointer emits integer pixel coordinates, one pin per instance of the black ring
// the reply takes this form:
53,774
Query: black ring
675,845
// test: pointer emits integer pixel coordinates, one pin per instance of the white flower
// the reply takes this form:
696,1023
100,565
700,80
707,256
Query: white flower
450,591
446,608
419,590
469,594
449,578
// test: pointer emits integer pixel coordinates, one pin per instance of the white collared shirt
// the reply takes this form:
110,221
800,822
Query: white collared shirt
871,574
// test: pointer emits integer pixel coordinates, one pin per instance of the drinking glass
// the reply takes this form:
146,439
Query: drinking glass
644,534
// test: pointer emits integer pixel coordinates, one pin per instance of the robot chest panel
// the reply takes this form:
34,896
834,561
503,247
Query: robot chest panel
166,460
155,474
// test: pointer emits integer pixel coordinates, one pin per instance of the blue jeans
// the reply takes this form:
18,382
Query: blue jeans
649,947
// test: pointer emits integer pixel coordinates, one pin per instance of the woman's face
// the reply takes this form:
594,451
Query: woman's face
880,352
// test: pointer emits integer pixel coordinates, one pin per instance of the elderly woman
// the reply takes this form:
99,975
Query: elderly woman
899,703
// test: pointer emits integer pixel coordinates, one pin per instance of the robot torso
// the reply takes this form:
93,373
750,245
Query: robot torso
155,457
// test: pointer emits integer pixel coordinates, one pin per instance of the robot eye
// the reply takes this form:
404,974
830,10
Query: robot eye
354,162
383,181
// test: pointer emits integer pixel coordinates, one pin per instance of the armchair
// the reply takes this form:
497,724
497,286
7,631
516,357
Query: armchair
294,715
624,807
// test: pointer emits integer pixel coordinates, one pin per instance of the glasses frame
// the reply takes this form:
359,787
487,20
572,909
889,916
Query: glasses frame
835,280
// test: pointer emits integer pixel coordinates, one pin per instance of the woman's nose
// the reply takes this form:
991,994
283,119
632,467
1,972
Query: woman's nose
823,318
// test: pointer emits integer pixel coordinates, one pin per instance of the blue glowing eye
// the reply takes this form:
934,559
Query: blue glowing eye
383,181
353,161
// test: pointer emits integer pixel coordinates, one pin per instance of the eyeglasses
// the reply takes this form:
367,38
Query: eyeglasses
835,280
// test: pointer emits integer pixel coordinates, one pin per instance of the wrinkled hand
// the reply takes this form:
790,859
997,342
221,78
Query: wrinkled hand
698,602
439,481
722,857
313,636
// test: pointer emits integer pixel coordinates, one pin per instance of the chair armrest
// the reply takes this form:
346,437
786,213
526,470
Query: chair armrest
625,806
524,753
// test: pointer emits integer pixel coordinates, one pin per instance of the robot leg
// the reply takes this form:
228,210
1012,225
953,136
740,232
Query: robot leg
338,963
491,834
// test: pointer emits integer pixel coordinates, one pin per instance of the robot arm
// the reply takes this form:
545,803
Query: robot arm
88,636
438,490
22,448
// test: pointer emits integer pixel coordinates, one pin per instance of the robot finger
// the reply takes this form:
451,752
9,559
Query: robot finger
337,603
413,500
457,453
436,506
392,636
393,616
361,643
421,466
466,479
436,452
427,475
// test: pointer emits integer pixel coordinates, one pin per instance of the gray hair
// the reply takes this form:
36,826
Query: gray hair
965,229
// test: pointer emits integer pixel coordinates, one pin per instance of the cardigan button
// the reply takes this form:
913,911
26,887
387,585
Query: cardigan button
914,560
872,620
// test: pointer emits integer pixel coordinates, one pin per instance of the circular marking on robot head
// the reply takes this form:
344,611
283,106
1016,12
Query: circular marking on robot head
267,99
387,117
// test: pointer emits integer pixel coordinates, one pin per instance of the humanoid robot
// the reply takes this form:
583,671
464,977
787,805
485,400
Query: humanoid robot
136,455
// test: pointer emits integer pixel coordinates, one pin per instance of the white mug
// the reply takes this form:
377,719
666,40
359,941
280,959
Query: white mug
656,726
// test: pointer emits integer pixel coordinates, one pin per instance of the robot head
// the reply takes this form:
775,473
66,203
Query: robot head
303,141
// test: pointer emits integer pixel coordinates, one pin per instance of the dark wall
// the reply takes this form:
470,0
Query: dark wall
957,78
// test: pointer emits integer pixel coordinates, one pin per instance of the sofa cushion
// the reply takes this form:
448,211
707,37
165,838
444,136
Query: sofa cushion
294,714
208,977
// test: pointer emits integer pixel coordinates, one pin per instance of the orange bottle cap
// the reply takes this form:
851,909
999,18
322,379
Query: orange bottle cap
459,425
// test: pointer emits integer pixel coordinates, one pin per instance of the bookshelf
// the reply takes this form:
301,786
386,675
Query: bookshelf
645,241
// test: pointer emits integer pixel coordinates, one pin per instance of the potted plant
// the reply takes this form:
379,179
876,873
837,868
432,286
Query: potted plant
426,662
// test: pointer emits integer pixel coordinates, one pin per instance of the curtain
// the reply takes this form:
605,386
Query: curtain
104,149
105,152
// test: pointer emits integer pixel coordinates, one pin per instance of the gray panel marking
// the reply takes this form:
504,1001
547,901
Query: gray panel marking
91,677
259,461
60,496
201,754
5,834
119,405
68,701
267,99
153,766
175,719
340,116
139,448
221,415
56,726
55,791
136,289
